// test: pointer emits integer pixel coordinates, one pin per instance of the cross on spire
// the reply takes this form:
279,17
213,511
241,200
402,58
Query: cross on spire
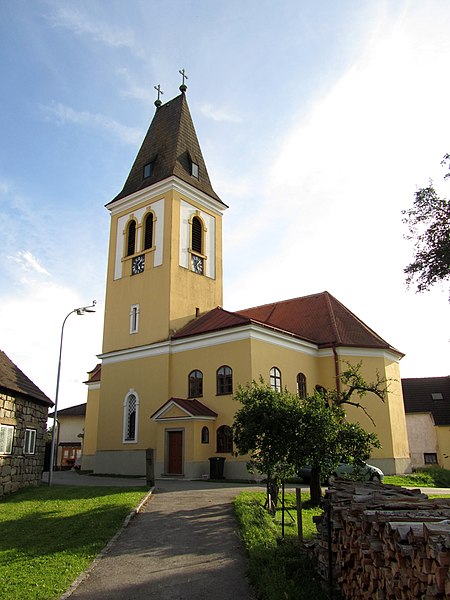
160,93
183,87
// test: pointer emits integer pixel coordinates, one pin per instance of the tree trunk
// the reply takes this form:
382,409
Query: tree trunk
272,495
314,487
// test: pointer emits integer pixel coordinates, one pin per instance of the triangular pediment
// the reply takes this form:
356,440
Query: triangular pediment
176,409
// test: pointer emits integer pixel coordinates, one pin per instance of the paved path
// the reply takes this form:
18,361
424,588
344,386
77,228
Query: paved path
183,545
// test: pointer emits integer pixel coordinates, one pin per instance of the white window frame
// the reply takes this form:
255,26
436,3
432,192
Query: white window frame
275,379
134,318
6,438
29,444
130,395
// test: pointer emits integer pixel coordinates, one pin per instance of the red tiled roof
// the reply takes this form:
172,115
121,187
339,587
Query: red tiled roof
95,374
192,406
14,380
318,318
417,397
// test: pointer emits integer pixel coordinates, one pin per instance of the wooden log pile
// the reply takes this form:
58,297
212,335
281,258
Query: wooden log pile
387,542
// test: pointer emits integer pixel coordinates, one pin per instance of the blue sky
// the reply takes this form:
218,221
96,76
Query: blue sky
317,121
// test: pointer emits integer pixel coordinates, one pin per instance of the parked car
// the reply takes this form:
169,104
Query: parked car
363,472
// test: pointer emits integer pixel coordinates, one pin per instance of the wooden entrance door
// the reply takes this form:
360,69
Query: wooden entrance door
175,453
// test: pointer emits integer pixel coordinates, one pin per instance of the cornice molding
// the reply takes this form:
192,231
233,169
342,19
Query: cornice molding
159,189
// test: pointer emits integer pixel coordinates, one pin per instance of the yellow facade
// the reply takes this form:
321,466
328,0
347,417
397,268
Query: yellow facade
144,366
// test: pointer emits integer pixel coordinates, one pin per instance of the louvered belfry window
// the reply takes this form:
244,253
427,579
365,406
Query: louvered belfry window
197,234
148,239
131,238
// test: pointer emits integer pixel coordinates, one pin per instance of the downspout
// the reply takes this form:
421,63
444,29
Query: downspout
336,368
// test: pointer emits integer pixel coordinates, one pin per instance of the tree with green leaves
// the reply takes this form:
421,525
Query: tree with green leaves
282,432
261,429
428,223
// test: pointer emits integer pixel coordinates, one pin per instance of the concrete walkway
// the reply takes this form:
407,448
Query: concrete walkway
183,545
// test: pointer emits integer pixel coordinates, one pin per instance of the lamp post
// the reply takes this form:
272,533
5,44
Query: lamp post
79,311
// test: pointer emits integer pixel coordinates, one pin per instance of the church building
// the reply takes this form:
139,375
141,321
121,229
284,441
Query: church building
172,357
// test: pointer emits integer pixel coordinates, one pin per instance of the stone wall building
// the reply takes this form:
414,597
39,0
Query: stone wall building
23,425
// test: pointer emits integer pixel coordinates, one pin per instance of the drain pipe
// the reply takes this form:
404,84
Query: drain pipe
336,368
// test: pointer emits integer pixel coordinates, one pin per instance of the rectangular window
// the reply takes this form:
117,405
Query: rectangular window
134,318
148,168
430,458
437,396
29,446
6,439
194,169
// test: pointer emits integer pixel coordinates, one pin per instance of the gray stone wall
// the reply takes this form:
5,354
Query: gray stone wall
17,469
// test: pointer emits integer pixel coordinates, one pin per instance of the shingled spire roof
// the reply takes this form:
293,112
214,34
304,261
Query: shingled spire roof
170,146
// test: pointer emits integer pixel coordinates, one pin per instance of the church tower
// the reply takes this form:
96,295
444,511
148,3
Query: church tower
165,250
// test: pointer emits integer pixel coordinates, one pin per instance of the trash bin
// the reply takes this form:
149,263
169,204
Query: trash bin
216,464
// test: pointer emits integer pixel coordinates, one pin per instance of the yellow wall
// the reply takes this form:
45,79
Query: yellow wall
91,422
443,437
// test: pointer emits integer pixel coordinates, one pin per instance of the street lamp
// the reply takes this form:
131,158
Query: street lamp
79,311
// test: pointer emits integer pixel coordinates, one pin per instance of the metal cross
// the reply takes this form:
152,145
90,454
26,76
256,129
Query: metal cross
183,75
159,90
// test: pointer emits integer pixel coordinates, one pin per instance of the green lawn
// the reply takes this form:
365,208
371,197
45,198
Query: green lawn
278,568
426,477
49,535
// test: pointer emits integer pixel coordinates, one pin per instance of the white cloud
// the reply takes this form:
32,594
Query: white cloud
329,213
66,114
30,321
30,262
219,114
73,19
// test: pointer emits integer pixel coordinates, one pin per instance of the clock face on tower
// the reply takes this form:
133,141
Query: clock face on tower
197,264
137,264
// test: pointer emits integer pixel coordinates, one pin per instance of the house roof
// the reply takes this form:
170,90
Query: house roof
79,410
319,318
95,374
428,394
171,144
193,407
12,379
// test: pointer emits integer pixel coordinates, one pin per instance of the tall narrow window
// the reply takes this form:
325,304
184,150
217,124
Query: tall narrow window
148,237
224,439
131,238
275,379
197,235
205,435
197,246
224,381
134,318
29,446
130,418
301,385
195,384
194,169
6,439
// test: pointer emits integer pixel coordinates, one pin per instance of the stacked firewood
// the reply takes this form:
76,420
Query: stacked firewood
387,542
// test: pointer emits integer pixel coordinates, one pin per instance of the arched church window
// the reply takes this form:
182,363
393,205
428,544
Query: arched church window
205,435
197,235
301,385
224,439
131,238
275,379
195,384
148,231
130,418
224,380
